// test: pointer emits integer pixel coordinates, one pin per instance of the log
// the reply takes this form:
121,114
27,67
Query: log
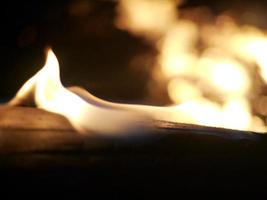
25,129
175,158
31,118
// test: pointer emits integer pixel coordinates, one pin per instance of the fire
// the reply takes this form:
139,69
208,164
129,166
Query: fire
85,112
215,68
216,75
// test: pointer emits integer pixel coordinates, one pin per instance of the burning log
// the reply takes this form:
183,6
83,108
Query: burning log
89,114
36,144
77,110
41,141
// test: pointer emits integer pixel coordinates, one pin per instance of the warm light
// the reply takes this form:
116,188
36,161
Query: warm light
202,112
177,49
146,17
182,91
236,114
258,49
226,75
213,68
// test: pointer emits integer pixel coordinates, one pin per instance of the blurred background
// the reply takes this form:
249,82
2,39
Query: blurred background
117,49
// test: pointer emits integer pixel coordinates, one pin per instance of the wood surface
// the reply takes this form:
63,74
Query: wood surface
175,159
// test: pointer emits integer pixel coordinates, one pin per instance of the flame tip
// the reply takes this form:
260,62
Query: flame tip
47,49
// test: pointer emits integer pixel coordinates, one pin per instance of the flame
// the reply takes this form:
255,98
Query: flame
85,114
215,69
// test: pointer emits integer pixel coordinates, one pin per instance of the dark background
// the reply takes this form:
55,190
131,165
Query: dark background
92,52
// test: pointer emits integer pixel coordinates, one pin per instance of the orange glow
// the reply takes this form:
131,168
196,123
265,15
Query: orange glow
153,17
215,70
182,91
